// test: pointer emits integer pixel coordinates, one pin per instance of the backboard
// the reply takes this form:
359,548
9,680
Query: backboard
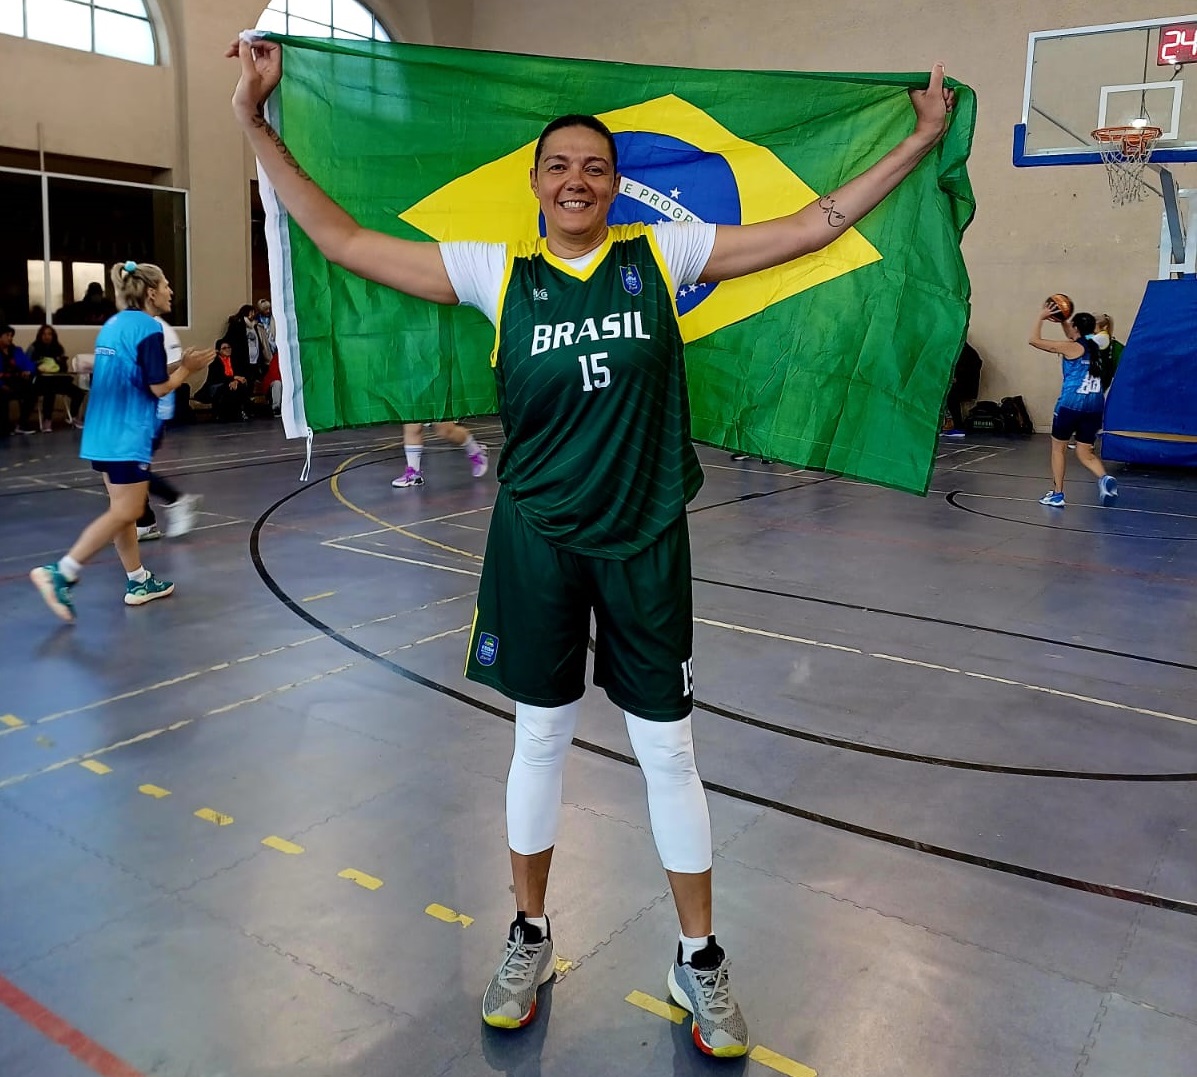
1121,74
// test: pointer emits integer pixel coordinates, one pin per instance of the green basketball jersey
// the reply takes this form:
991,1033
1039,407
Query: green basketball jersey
592,396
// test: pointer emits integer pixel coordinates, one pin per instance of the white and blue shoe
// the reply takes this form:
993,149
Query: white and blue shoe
1107,490
1055,498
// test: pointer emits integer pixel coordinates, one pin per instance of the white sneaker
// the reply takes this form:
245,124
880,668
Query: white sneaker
148,534
180,517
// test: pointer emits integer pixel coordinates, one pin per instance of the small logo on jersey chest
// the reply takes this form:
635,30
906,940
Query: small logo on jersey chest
488,649
540,293
630,275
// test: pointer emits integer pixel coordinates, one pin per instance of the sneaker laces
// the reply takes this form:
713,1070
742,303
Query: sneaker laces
517,961
716,989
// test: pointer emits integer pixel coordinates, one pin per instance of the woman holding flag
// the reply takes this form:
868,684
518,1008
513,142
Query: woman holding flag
594,478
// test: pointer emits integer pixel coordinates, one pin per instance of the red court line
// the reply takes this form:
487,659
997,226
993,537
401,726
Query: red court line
53,1027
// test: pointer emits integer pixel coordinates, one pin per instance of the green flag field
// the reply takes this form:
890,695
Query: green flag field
839,360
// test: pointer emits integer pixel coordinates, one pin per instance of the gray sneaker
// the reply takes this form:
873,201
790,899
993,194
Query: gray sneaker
510,1000
700,986
180,517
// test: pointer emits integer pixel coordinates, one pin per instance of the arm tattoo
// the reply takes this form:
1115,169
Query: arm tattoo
827,204
273,135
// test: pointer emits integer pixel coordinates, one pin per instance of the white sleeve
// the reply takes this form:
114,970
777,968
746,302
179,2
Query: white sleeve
686,247
476,273
174,346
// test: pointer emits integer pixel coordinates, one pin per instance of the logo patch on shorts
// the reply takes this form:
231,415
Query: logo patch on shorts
488,649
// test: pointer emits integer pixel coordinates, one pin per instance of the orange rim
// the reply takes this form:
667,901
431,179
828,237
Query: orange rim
1128,140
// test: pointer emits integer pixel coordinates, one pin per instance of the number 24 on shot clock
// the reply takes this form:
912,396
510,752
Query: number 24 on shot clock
1178,44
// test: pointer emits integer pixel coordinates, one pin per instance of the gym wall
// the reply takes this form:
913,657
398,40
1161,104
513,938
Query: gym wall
1037,231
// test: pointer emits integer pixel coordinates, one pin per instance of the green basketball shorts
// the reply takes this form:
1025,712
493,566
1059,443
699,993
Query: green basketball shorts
532,624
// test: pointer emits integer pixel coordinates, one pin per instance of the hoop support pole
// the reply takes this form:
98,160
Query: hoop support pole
1176,233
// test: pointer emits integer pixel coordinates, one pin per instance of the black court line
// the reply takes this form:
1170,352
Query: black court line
762,493
927,619
1120,893
936,760
951,500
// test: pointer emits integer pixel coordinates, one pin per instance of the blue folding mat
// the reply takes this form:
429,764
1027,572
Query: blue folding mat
1151,410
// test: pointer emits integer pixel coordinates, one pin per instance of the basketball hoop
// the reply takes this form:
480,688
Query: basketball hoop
1125,151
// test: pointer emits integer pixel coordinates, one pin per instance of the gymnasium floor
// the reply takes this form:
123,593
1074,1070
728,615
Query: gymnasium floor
951,744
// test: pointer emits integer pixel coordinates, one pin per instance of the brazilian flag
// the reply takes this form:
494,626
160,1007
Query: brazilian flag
839,360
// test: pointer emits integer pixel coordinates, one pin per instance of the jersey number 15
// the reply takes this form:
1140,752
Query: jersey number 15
594,374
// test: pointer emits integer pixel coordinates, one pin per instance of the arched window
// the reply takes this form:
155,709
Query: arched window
120,28
322,18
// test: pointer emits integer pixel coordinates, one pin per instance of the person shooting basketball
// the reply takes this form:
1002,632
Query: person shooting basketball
1081,403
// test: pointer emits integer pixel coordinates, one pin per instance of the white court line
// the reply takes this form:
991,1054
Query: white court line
415,523
950,669
243,456
753,470
277,690
146,689
975,460
404,560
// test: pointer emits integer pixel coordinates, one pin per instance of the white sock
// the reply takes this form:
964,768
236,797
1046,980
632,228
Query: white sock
471,446
541,922
70,568
413,452
139,576
691,946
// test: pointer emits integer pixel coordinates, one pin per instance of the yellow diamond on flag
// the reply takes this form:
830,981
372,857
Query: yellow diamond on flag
495,204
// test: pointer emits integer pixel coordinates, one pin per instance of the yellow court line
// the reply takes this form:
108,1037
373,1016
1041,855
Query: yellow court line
155,791
656,1007
217,818
12,721
935,667
369,882
677,1015
322,594
447,915
780,1063
95,766
282,845
335,486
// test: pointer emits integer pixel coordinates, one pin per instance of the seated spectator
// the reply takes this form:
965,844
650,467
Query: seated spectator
53,378
266,320
226,390
250,343
966,383
272,383
16,383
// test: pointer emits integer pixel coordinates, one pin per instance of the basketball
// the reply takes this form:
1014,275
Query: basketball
1063,306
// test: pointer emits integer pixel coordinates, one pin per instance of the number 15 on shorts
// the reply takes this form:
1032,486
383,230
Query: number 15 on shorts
688,677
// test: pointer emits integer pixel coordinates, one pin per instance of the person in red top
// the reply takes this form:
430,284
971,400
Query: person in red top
226,391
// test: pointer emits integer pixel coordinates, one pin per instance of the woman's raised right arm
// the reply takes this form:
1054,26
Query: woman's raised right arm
410,267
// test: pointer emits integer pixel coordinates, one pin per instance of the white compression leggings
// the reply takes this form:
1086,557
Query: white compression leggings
677,802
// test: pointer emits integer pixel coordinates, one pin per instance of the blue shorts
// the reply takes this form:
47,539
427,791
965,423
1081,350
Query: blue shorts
122,472
1084,425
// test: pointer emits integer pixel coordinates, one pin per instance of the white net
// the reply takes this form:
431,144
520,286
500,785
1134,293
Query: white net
1125,151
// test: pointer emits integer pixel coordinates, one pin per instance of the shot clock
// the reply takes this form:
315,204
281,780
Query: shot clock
1177,45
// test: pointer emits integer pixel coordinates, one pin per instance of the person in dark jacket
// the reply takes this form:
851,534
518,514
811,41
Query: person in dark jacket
53,377
225,389
16,383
